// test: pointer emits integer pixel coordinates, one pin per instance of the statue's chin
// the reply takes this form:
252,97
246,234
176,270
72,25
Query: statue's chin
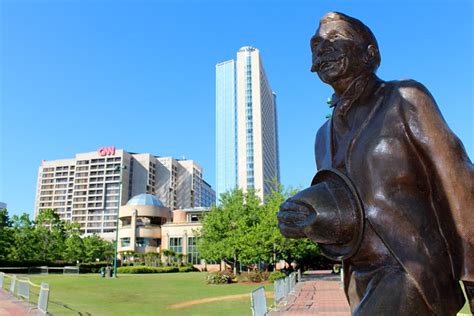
291,231
334,73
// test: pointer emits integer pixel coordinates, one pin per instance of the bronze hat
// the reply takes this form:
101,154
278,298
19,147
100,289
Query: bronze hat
338,206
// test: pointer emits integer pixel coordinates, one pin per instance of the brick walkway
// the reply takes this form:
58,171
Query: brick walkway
319,293
10,306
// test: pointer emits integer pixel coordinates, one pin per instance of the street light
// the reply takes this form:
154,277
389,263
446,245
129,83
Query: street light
118,168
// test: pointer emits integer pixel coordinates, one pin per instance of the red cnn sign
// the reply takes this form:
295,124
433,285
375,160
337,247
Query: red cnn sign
107,151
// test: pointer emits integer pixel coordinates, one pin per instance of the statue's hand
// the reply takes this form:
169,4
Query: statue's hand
295,217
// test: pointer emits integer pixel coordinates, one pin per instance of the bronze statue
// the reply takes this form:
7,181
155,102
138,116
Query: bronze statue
393,197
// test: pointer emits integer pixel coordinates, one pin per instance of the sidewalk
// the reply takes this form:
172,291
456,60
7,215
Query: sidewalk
10,306
319,293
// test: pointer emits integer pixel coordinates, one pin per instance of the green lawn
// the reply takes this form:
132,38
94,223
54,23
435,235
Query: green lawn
143,294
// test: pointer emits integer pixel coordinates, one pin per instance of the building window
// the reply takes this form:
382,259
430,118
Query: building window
175,244
148,242
125,242
141,242
193,254
194,217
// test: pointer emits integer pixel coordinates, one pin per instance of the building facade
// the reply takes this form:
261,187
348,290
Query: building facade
3,205
226,127
147,226
140,224
246,125
208,195
90,188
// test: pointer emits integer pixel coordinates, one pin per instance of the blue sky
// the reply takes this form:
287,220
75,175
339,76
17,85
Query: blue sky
140,75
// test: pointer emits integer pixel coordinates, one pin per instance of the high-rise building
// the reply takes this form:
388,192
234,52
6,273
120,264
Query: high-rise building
3,205
87,189
226,127
246,125
208,195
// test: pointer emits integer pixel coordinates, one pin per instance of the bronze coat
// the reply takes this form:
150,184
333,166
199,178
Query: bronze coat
417,187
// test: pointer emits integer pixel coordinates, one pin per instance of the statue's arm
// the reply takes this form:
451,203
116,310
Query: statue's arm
450,170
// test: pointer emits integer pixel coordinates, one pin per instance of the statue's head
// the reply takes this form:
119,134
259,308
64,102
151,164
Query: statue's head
343,48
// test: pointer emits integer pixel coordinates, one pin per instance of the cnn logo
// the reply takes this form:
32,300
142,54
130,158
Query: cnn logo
107,151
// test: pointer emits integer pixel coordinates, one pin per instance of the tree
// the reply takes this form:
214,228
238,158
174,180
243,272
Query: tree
169,254
5,234
23,244
242,229
152,259
74,249
96,248
50,235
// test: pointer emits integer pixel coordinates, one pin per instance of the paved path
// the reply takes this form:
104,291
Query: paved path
320,293
10,306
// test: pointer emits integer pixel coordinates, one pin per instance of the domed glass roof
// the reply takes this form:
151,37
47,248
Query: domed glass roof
145,199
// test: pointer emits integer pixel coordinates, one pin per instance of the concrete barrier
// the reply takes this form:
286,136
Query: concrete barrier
259,302
43,298
12,285
23,289
279,290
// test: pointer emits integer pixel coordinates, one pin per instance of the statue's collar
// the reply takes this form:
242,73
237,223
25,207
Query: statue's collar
360,87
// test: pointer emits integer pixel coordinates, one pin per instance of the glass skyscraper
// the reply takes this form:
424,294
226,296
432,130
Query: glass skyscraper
226,127
246,126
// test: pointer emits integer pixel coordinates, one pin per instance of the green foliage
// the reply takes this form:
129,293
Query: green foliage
250,276
242,229
97,248
264,275
187,269
5,234
170,256
152,259
145,269
221,277
48,239
92,267
275,275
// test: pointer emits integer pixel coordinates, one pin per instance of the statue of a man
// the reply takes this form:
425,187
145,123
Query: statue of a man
413,241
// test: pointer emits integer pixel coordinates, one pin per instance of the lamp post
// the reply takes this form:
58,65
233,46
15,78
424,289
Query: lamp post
118,168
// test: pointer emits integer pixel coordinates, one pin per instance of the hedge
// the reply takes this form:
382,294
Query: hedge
145,269
34,263
93,267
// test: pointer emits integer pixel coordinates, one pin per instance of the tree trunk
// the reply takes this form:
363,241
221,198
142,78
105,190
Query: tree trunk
235,264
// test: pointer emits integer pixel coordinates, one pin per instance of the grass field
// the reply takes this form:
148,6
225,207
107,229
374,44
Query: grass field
145,294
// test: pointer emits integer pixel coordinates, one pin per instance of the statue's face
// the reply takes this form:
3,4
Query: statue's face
337,52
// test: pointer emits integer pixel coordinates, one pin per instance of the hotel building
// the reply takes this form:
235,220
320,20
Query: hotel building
87,188
246,125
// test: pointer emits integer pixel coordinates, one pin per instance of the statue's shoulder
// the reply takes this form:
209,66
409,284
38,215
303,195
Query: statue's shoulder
323,131
411,98
410,90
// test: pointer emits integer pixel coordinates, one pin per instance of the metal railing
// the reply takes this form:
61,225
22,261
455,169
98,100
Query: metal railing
20,288
259,302
282,288
286,286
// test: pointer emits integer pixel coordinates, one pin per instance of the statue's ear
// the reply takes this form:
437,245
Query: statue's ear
371,55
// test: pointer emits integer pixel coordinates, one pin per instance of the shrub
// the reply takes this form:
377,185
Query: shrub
250,277
221,277
167,269
265,275
92,267
146,269
275,275
187,269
